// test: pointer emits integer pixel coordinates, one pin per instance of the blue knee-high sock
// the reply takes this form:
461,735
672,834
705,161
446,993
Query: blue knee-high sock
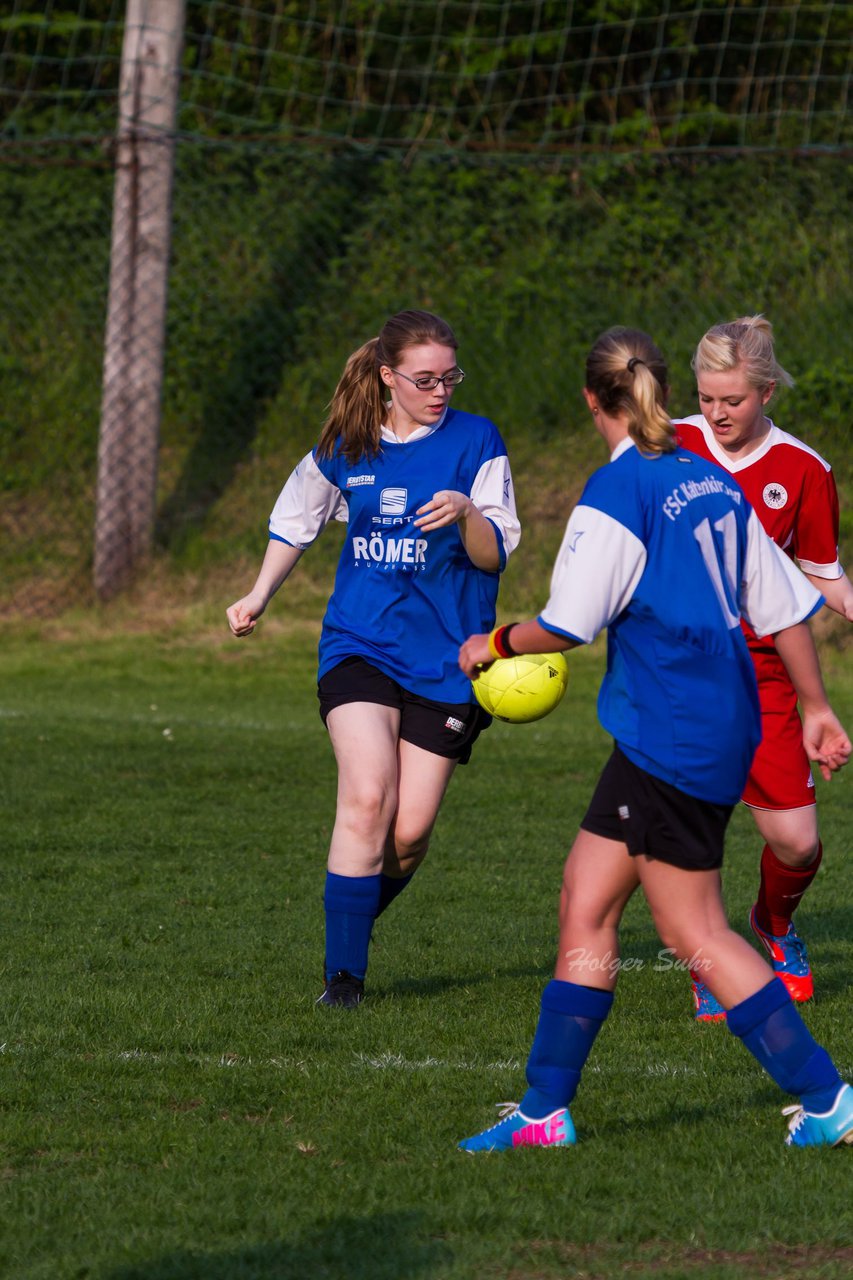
570,1018
774,1033
389,888
351,903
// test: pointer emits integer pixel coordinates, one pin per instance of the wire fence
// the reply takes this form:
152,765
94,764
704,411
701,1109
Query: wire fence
530,168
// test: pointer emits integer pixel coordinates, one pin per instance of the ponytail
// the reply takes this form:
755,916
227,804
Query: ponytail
628,375
356,410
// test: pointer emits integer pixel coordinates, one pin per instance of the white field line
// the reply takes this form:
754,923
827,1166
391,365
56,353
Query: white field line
388,1061
396,1062
156,718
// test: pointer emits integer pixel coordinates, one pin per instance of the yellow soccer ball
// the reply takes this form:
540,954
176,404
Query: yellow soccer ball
522,688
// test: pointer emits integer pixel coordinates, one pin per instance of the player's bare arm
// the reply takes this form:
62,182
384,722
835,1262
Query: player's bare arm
824,737
527,637
448,506
278,562
837,592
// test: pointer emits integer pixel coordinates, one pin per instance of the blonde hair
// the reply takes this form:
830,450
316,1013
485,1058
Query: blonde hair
746,343
357,409
628,375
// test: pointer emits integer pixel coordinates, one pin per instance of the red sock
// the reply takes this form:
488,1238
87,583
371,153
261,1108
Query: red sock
781,889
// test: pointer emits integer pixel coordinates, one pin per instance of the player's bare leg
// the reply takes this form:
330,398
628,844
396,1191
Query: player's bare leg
688,912
389,794
791,833
598,879
364,740
422,781
687,908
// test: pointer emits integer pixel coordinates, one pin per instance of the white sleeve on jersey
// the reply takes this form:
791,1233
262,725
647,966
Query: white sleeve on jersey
306,504
492,494
828,571
595,575
774,594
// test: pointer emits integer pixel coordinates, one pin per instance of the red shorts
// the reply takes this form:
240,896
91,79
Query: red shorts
781,775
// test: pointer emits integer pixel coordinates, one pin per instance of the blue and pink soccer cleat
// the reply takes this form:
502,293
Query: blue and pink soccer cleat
707,1007
808,1129
788,957
515,1129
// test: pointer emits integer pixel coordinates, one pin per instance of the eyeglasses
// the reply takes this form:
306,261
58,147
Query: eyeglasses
451,379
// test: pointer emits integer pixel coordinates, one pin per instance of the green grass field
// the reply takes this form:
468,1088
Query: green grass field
174,1106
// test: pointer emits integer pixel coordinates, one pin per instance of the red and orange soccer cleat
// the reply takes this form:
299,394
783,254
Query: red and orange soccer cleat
788,957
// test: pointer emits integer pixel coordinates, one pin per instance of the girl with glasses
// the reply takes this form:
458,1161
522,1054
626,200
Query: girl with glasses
664,552
426,492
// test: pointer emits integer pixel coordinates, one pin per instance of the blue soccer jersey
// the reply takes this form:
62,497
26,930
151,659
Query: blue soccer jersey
666,553
405,600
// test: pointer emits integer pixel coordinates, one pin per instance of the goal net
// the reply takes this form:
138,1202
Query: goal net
514,76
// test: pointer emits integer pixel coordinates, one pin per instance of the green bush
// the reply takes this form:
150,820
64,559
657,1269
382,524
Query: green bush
283,262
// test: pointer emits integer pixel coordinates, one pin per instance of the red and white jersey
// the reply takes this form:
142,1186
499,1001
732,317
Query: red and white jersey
790,488
792,491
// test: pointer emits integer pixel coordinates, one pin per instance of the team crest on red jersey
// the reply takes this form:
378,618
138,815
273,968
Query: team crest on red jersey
775,496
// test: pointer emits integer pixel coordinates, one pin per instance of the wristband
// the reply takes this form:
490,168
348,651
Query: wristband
499,645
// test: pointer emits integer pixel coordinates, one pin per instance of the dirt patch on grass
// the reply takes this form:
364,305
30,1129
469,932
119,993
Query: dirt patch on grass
668,1261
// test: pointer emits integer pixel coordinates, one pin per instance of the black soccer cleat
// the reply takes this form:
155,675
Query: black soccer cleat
343,991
